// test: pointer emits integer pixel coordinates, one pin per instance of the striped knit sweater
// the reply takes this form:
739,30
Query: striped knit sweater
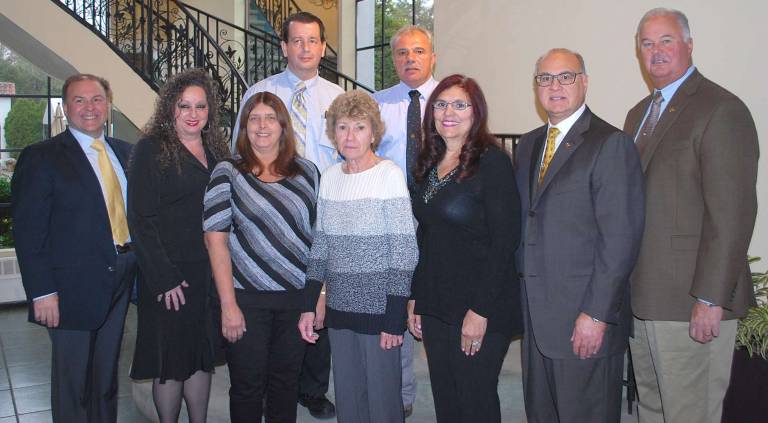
364,249
270,231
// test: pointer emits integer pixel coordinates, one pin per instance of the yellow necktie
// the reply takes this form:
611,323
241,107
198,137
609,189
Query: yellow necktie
114,195
549,152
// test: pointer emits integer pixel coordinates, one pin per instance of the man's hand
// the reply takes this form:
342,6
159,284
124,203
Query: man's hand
47,310
389,341
319,322
414,320
587,336
705,322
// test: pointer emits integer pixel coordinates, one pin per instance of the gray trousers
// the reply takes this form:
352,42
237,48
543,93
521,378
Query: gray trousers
366,379
406,361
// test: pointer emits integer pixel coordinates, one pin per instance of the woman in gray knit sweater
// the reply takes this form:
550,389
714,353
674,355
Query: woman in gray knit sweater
362,259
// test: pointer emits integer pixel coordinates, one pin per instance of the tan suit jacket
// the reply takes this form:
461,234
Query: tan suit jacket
700,171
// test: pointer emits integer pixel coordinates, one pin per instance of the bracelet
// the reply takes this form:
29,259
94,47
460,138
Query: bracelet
322,292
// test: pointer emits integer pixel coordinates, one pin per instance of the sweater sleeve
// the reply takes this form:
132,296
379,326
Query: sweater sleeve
402,251
159,273
318,259
217,203
501,203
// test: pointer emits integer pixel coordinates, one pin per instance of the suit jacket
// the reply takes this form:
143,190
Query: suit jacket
165,212
700,173
62,231
581,233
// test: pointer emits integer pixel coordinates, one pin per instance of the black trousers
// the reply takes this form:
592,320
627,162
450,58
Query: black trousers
316,367
465,388
265,362
84,363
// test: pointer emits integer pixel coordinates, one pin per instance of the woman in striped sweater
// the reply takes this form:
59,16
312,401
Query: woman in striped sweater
259,212
363,254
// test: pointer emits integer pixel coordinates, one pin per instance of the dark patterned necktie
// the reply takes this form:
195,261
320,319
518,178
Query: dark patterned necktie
650,122
413,132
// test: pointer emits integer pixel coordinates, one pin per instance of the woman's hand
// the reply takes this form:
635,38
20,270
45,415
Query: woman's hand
232,323
319,322
414,320
472,332
390,341
306,321
174,297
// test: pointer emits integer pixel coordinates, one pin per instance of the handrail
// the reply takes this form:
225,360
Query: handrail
159,38
257,54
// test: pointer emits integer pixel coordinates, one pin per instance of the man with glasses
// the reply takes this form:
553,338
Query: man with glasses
402,109
580,187
699,151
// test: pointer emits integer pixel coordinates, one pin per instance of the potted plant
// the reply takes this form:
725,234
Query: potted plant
746,398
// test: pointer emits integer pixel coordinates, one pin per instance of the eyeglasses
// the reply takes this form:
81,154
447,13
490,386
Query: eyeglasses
565,78
457,105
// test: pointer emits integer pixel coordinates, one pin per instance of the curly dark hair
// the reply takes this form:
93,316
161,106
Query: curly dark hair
161,126
479,139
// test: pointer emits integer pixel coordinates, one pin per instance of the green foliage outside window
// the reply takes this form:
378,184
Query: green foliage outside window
24,123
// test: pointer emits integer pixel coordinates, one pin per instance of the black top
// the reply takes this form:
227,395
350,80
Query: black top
468,233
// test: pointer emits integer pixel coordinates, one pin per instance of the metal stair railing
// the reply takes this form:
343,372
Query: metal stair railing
257,54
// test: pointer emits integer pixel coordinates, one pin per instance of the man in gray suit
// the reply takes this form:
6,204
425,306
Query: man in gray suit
699,155
581,191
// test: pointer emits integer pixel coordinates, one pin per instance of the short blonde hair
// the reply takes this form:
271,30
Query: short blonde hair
356,104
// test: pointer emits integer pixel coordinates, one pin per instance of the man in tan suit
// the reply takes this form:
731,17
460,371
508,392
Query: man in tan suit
699,152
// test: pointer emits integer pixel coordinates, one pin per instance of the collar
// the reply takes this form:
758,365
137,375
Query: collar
565,125
84,139
293,79
425,88
670,90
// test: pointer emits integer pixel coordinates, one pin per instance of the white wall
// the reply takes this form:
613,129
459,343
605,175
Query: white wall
498,42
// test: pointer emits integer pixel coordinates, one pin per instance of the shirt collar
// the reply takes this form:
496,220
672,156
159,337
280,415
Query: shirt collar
293,79
427,87
565,125
84,139
670,90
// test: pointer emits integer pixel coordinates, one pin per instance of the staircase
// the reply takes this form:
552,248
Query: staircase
158,38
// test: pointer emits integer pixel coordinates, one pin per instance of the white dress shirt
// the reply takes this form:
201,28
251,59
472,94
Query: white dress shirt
318,97
393,103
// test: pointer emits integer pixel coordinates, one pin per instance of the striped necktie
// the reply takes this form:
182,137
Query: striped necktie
299,117
549,152
650,122
113,193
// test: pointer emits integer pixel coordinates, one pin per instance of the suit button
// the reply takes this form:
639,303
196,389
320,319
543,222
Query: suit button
531,213
111,269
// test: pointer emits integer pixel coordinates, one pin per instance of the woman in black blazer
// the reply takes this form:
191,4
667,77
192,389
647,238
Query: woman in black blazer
169,171
465,295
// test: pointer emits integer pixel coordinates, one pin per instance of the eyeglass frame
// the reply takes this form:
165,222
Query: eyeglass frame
557,77
452,104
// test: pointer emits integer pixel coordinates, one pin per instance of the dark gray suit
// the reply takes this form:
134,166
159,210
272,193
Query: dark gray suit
581,234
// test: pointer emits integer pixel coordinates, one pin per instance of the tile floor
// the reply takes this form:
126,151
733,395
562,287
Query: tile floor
25,379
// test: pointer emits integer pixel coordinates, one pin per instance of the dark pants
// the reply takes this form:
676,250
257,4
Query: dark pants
84,363
316,367
265,362
570,390
464,387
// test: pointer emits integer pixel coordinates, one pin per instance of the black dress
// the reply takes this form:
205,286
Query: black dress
165,209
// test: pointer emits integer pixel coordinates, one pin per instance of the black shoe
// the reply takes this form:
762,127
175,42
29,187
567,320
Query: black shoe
319,407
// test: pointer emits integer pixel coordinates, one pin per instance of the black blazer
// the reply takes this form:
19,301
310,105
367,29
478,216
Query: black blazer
62,232
165,212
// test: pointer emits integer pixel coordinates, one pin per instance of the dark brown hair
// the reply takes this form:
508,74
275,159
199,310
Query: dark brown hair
302,17
86,77
479,139
161,126
285,163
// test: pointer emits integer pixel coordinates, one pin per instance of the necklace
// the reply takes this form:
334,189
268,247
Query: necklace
435,184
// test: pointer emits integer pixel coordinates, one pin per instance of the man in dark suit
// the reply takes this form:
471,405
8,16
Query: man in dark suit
699,154
74,252
580,186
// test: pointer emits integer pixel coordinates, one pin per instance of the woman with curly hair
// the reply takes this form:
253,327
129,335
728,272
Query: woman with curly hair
465,300
169,171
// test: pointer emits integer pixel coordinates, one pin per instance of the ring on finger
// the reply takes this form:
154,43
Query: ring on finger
476,344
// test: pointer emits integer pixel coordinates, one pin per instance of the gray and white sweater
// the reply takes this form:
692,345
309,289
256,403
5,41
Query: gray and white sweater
364,249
